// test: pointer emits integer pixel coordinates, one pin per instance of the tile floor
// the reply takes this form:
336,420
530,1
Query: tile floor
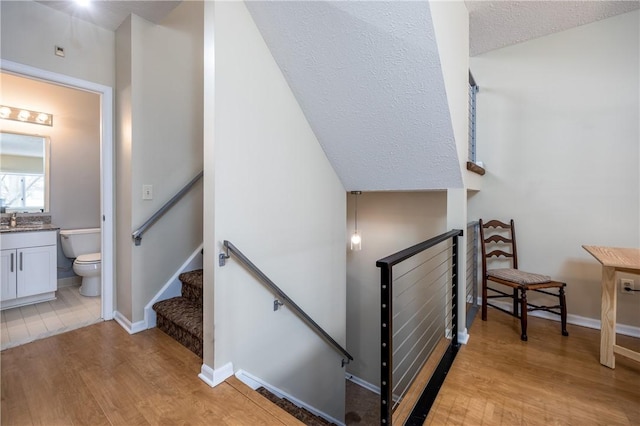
28,323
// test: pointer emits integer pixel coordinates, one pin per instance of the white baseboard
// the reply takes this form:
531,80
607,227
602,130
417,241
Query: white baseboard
463,336
69,282
363,383
130,327
254,383
172,287
626,330
214,377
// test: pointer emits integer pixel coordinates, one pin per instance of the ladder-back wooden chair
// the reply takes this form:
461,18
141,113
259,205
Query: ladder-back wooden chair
499,239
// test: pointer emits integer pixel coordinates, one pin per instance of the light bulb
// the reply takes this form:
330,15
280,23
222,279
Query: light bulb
24,115
5,112
42,117
356,241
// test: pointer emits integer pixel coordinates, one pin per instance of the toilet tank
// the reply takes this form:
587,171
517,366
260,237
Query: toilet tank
80,241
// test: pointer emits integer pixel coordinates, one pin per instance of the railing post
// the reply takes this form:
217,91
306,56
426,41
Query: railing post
454,291
474,291
386,318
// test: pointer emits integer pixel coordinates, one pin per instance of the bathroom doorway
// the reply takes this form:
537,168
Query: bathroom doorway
105,212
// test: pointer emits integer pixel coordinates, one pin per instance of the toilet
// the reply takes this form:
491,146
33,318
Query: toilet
83,245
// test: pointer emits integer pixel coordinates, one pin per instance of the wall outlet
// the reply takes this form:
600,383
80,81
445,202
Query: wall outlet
627,286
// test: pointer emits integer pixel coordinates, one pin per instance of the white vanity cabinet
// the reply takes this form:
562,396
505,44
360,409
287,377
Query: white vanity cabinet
29,267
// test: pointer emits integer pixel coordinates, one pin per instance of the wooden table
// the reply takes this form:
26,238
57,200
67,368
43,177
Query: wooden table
613,260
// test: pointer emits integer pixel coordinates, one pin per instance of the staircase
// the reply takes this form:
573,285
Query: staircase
181,317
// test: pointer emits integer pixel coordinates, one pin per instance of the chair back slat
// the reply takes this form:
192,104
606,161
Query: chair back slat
498,239
496,224
498,253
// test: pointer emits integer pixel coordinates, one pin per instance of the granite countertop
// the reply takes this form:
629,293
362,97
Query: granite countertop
31,223
28,227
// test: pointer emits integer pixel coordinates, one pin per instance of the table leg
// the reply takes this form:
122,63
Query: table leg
608,317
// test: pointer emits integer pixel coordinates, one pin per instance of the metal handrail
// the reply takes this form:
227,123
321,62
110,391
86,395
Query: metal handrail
230,248
137,234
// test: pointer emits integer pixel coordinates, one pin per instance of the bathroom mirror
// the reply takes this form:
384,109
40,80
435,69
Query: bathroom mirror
24,173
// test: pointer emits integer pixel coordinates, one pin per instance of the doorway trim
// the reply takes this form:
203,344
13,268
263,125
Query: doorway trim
106,167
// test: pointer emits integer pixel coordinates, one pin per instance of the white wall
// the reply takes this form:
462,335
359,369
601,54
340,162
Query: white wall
278,200
74,150
388,222
558,133
30,32
159,143
451,27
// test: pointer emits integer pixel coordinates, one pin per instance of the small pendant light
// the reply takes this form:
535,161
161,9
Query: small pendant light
356,237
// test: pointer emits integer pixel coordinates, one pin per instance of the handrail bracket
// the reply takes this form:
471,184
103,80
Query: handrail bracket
222,259
344,362
277,304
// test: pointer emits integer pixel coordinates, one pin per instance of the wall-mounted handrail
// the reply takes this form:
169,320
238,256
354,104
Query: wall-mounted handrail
230,248
137,234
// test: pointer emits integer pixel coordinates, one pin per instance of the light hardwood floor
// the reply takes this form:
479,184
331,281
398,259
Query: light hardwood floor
100,375
550,380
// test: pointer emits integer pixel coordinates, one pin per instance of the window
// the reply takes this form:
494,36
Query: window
24,192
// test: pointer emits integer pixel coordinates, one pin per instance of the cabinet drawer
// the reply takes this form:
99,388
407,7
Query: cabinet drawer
10,240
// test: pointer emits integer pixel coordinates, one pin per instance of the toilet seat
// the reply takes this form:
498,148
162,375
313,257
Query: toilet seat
90,258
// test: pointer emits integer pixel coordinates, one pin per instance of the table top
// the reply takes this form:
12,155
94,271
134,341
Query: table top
616,257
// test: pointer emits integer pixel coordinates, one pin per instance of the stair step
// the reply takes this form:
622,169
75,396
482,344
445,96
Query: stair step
181,319
192,285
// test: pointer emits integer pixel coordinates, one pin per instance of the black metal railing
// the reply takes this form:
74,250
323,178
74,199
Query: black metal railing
137,234
419,291
472,271
231,249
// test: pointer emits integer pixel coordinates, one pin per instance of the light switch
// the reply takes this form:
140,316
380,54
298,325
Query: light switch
147,192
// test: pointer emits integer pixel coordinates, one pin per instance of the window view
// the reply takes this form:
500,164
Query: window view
22,191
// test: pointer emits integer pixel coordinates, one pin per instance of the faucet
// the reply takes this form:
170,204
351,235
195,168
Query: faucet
13,220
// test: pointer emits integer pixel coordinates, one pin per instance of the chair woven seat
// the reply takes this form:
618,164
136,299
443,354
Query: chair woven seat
518,276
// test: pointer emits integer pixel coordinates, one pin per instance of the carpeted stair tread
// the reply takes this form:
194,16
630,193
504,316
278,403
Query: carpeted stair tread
181,319
305,416
192,285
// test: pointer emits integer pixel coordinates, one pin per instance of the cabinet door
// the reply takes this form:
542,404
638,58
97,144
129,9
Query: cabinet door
8,275
36,270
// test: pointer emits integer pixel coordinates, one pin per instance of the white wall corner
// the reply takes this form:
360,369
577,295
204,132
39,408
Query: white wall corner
214,377
254,383
131,328
172,287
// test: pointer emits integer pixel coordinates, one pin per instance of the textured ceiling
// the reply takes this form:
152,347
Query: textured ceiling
109,14
492,24
496,24
367,76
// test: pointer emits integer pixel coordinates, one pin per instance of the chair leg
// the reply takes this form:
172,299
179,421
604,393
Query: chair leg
484,299
563,311
523,314
515,303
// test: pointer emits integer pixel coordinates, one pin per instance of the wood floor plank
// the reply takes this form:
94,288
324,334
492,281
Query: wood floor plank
101,375
548,380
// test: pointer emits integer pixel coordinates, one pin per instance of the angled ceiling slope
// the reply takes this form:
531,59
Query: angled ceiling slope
367,76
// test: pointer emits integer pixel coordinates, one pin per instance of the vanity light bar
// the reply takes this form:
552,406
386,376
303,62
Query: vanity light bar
25,115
